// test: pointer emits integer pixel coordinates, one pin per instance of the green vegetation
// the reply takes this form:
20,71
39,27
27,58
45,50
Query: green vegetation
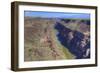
68,55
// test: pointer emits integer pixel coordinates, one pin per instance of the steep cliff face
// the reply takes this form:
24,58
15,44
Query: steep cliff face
75,36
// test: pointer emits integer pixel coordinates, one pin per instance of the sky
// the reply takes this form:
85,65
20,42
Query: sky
56,14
